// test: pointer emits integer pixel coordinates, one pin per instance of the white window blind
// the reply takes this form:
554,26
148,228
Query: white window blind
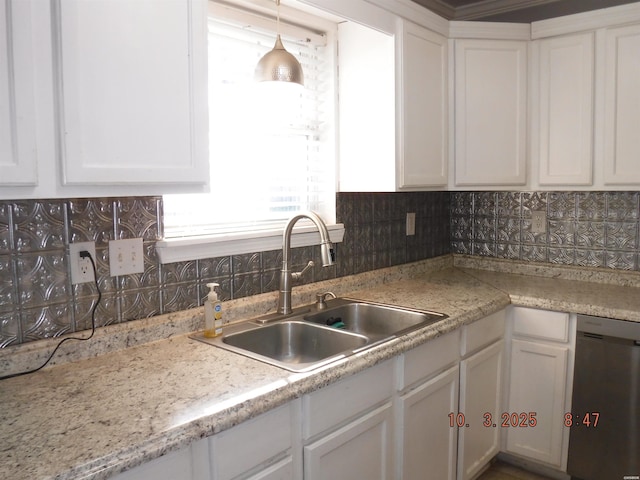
267,145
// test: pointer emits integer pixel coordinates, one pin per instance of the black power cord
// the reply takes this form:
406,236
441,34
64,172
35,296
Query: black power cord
83,254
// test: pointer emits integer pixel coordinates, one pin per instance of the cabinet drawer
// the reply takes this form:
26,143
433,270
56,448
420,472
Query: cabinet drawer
347,398
543,324
428,359
251,443
481,333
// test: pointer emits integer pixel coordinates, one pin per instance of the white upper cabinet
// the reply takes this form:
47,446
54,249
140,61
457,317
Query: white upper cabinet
490,112
393,92
131,83
422,107
562,130
622,106
18,149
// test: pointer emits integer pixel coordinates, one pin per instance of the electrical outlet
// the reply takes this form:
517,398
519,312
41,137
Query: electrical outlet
538,221
126,257
411,224
81,268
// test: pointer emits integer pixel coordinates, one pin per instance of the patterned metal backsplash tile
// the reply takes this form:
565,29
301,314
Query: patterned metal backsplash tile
596,229
38,301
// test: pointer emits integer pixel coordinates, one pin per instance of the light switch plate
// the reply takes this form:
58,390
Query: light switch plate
126,257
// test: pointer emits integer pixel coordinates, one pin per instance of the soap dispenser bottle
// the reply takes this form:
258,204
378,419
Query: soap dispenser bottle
212,313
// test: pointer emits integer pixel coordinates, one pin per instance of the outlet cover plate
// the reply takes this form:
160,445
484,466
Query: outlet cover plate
81,268
538,221
411,223
126,257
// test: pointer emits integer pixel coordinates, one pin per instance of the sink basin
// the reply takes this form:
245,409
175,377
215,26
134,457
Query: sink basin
310,338
373,320
294,345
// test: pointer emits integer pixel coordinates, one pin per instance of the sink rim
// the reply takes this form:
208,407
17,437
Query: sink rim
299,316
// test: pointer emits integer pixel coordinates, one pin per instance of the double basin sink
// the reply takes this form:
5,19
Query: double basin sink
310,338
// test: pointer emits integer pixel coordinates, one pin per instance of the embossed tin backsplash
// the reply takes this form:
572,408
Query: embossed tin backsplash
594,229
38,301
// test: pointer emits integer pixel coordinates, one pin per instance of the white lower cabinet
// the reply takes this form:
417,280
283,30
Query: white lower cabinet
429,443
347,427
360,449
265,440
482,350
480,400
539,382
190,463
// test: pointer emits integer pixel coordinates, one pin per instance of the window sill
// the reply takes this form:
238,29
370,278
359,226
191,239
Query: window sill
211,246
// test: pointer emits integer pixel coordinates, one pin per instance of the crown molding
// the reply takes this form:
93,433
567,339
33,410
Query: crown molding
605,17
490,30
495,7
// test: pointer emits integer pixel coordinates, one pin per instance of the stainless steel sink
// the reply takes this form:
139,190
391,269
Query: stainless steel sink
376,321
312,338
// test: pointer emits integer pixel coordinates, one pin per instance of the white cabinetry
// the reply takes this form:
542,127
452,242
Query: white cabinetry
191,463
562,133
347,428
426,443
490,112
132,91
480,393
267,447
622,106
422,106
393,106
18,150
539,381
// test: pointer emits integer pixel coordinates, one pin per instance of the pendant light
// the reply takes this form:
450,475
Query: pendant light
278,65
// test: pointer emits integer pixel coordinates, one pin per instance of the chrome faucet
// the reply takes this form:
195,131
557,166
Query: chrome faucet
286,276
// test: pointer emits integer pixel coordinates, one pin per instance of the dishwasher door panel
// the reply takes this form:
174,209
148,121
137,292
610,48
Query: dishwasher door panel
607,383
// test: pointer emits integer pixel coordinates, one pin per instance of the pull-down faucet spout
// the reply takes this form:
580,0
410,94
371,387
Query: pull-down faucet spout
286,276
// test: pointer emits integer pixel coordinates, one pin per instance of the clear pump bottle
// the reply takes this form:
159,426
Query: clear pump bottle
212,313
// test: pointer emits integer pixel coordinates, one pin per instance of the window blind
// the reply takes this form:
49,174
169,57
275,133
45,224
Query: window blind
266,143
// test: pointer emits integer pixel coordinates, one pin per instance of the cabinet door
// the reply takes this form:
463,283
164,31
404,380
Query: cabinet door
537,383
490,112
265,440
132,91
480,387
190,463
622,106
565,109
422,107
361,449
18,154
283,470
429,443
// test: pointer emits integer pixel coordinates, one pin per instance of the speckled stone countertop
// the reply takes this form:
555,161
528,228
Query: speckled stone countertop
95,416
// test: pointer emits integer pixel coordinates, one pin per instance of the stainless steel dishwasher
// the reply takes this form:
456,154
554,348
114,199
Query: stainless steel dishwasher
604,441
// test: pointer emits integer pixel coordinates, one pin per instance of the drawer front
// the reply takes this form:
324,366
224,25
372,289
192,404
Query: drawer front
333,405
245,446
542,324
428,359
482,332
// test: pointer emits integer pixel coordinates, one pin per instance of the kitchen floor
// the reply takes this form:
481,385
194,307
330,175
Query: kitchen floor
504,471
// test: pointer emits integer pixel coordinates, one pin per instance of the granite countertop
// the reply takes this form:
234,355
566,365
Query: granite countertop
94,417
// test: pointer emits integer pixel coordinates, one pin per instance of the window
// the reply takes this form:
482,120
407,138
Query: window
271,152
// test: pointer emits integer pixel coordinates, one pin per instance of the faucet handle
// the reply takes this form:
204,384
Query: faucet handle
298,275
321,303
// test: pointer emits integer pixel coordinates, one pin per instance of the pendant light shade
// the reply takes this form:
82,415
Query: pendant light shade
278,65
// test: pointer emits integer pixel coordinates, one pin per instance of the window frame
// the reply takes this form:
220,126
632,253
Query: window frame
195,247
